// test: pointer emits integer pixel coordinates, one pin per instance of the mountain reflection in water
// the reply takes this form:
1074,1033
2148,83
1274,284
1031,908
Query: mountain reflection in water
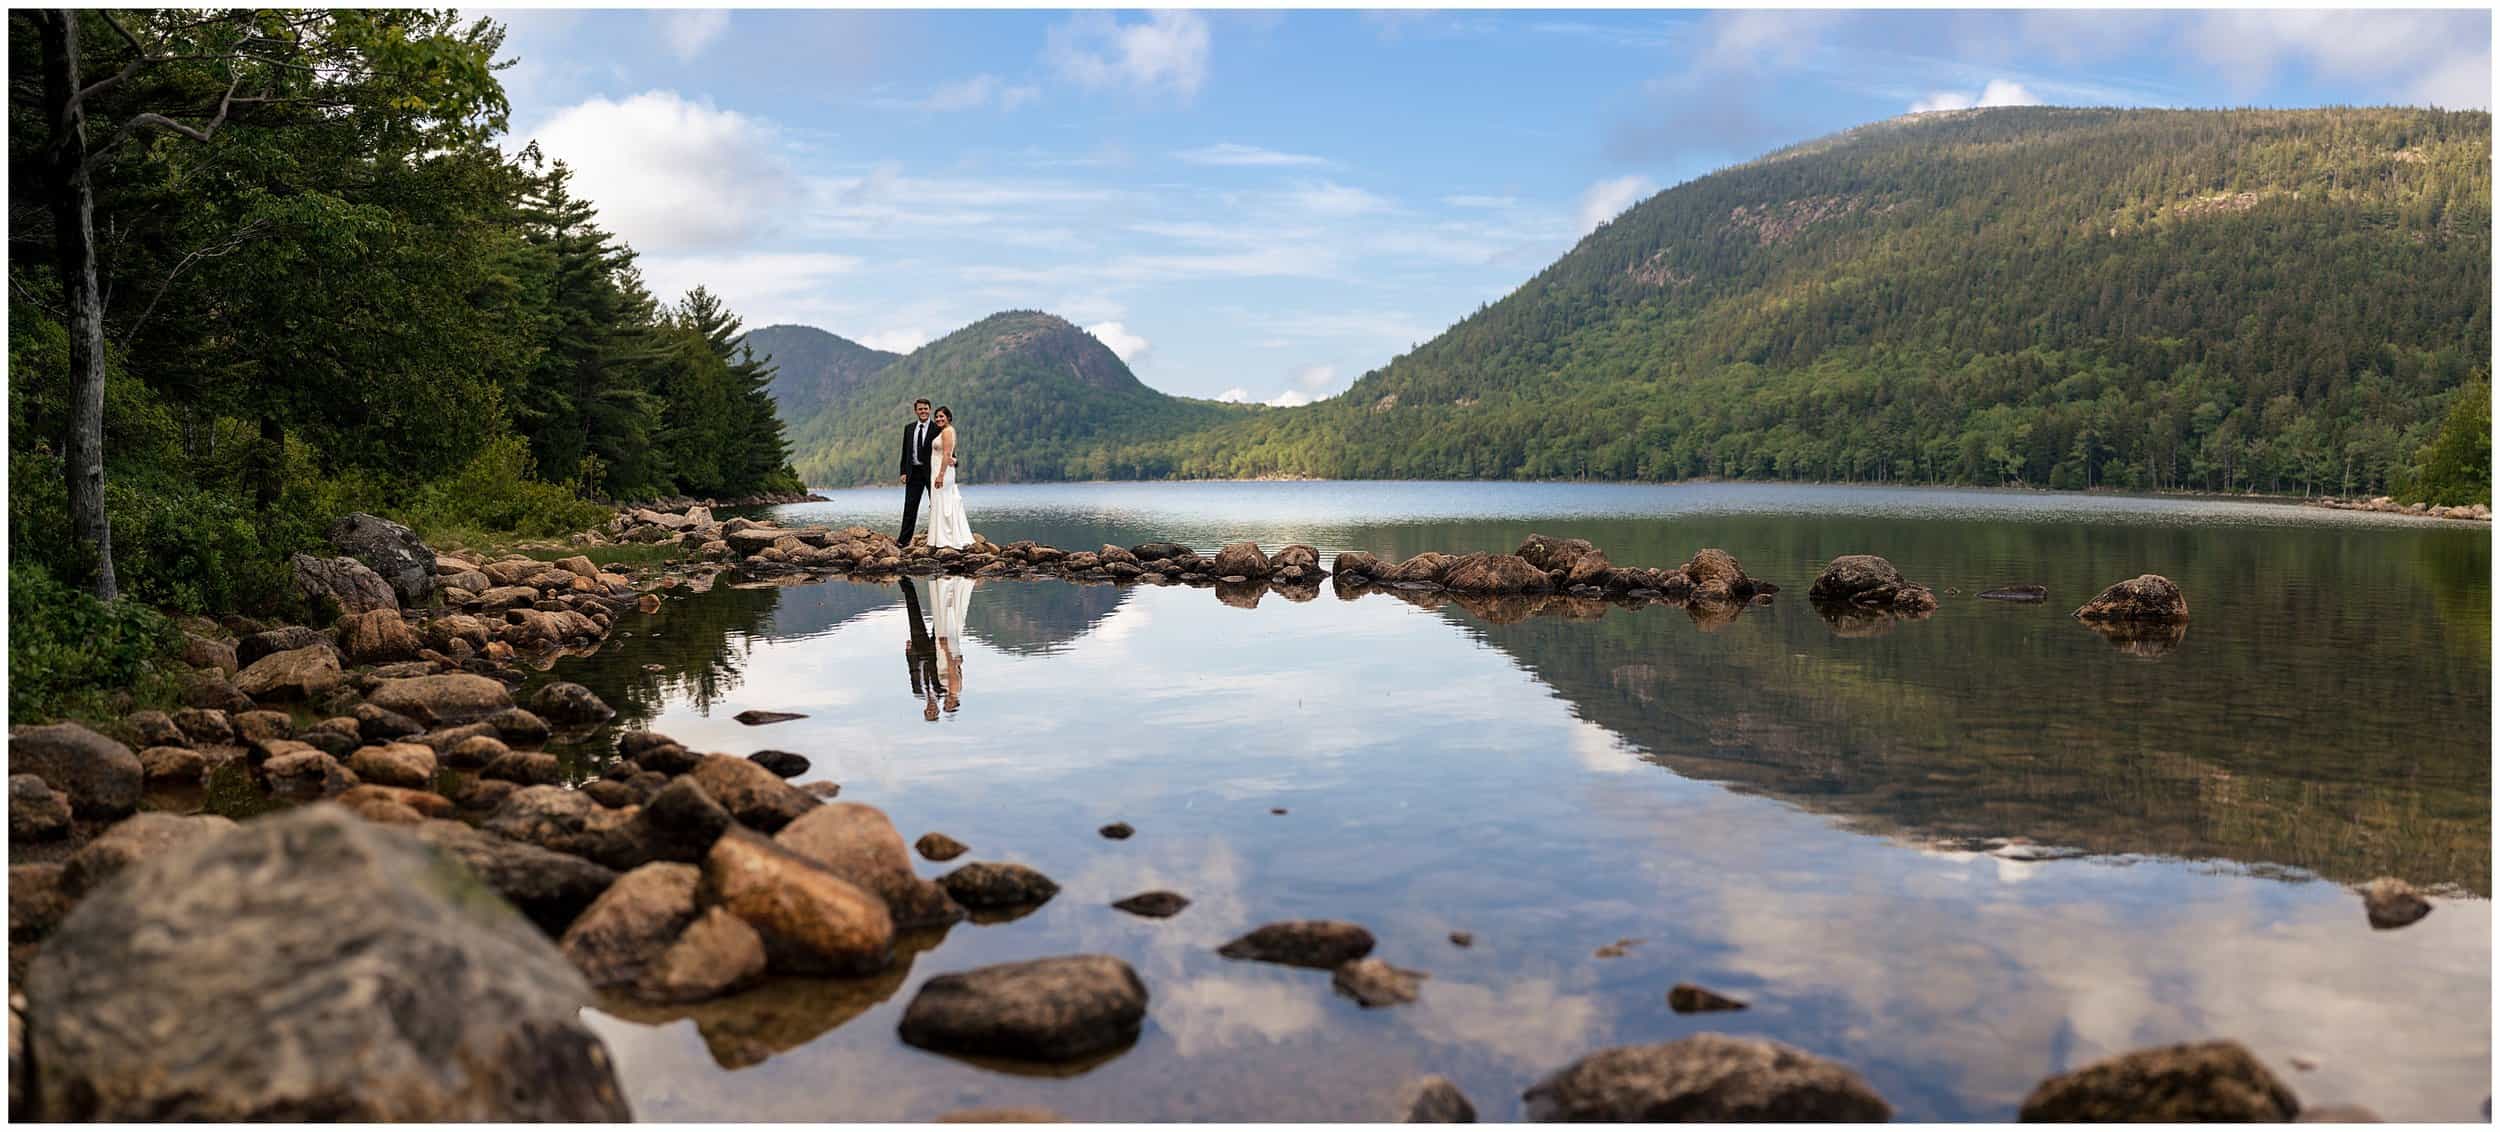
1555,778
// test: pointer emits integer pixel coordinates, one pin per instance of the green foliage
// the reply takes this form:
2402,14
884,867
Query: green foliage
349,298
2455,467
496,491
67,650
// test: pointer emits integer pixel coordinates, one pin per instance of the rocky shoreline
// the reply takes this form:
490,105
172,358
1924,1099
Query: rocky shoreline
413,936
2472,512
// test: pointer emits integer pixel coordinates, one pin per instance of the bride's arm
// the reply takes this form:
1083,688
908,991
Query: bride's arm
946,442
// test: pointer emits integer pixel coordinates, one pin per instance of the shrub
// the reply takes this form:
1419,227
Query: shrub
68,652
497,492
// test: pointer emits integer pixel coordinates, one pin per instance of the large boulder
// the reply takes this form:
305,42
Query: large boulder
37,812
1866,581
2146,597
567,704
1718,577
2192,1082
716,954
1426,567
1242,559
283,639
390,550
860,844
377,637
296,674
1706,1077
408,765
752,794
345,583
309,966
132,841
632,923
1495,574
1359,564
441,701
811,921
101,776
1058,1009
998,884
1553,555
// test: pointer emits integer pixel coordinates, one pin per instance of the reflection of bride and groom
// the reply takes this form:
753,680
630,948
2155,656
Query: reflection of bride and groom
930,454
937,664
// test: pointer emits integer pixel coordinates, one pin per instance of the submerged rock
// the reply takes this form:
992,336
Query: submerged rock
1706,1077
1435,1100
1158,904
754,718
998,884
2027,591
783,763
1687,998
1324,944
1373,982
2190,1082
2392,903
1053,1010
2146,597
351,974
1118,831
939,847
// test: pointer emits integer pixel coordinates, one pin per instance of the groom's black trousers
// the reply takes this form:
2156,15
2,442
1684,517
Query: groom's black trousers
914,483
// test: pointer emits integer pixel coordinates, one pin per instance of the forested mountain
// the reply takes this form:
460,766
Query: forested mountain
811,367
1035,398
2146,299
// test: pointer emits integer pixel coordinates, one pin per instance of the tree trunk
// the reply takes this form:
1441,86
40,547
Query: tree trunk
73,217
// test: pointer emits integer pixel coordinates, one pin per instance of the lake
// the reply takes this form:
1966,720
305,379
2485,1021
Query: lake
1807,816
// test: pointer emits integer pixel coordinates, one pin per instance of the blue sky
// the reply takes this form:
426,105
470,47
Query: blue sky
1264,205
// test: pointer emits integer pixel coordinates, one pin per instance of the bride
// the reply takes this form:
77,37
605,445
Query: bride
947,524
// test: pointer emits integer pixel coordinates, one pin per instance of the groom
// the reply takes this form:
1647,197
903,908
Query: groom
917,437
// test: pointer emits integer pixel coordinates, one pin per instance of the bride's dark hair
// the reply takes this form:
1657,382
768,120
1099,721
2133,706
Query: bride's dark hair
949,414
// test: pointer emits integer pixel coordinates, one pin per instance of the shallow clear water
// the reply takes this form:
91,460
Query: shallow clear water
1777,808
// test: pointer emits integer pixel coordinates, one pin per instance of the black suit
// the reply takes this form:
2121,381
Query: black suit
919,437
920,653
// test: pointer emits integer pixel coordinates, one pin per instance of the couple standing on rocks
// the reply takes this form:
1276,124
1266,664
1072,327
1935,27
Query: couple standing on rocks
930,453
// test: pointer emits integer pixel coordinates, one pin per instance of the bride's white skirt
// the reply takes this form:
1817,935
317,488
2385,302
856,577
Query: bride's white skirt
951,598
948,526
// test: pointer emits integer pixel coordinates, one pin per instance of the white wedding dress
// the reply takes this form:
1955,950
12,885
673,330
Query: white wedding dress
950,598
948,526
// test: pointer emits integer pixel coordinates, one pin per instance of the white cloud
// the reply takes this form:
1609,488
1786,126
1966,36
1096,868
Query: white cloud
1130,346
754,284
1467,200
1167,52
900,340
1234,395
1998,92
1288,399
669,174
1329,198
688,31
1608,198
977,93
2460,83
2429,47
1233,153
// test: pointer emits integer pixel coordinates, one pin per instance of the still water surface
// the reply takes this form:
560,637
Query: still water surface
1788,811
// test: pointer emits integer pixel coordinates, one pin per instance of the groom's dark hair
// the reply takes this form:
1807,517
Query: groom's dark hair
919,401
